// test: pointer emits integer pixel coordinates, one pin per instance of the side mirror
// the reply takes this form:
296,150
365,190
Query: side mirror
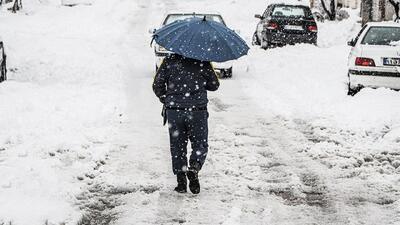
351,43
152,31
258,16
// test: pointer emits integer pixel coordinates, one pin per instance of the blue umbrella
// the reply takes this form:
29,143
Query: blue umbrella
201,39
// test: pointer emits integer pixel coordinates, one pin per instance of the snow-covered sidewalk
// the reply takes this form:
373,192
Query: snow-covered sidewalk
59,110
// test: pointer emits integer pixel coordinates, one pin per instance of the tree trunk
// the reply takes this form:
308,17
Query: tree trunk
366,11
396,6
332,12
382,9
17,6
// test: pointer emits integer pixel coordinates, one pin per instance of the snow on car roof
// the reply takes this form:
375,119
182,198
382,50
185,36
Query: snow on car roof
384,24
289,2
187,12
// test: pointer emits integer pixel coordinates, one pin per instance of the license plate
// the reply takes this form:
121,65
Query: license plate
292,27
391,61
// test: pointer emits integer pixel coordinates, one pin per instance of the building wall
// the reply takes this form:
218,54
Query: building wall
350,3
390,14
376,10
345,3
382,10
371,10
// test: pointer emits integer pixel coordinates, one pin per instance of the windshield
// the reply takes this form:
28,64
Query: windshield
381,36
173,18
289,11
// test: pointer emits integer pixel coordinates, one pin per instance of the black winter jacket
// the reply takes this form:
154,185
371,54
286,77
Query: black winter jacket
182,83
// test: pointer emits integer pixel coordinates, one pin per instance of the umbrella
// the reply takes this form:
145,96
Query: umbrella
201,39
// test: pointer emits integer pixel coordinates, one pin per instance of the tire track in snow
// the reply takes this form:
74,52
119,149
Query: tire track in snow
340,185
282,174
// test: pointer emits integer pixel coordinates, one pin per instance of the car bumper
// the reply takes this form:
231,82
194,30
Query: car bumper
374,79
290,38
218,67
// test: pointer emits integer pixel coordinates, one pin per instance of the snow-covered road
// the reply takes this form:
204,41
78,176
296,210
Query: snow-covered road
287,146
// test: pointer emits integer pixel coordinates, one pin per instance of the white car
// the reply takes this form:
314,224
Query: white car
3,68
222,69
374,60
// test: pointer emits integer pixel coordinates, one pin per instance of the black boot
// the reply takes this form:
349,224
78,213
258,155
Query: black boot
194,184
182,182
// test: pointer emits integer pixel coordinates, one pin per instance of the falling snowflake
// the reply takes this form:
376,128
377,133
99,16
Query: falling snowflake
175,133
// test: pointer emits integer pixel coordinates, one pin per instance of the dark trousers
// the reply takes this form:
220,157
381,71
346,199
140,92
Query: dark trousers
184,126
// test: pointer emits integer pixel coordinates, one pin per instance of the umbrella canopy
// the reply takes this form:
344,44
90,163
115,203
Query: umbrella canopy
201,39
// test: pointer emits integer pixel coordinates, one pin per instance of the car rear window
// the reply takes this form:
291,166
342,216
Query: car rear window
289,11
381,36
173,18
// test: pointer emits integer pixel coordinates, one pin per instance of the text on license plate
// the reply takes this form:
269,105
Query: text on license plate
292,27
391,61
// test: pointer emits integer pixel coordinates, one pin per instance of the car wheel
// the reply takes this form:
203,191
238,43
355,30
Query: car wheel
228,73
225,73
256,40
314,43
351,91
264,44
3,72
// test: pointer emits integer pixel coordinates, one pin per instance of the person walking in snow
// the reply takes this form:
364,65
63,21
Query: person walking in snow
181,84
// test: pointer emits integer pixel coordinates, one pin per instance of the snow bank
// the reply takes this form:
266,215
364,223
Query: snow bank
61,107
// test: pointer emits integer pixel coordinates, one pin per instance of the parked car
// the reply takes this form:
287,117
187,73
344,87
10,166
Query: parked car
374,59
224,70
283,24
3,65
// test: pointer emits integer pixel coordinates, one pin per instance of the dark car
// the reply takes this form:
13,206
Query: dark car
285,24
3,68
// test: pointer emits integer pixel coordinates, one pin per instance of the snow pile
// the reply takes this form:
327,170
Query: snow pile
61,107
333,33
395,43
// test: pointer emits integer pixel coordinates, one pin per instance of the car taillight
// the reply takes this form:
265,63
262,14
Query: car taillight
364,62
271,26
312,28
